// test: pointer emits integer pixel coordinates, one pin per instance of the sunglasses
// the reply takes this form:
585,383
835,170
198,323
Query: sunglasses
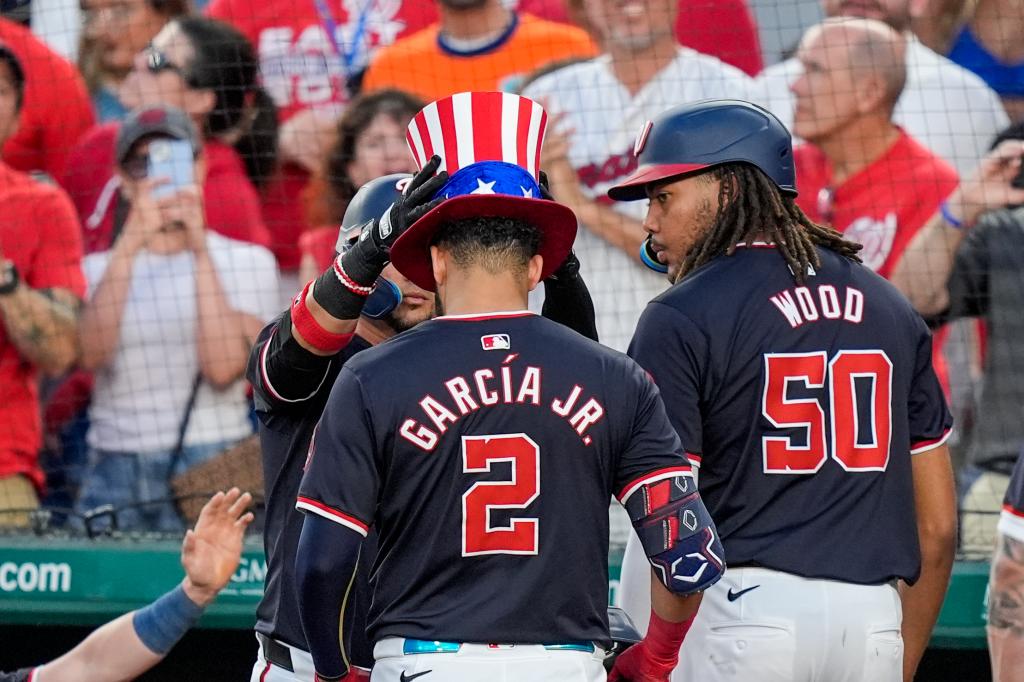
157,62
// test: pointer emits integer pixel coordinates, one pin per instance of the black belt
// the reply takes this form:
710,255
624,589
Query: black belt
275,652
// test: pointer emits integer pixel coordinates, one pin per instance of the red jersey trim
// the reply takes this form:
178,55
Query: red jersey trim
1010,510
651,477
926,445
321,509
486,316
1011,523
695,459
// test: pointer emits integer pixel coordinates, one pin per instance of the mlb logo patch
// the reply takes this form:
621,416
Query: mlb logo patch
495,342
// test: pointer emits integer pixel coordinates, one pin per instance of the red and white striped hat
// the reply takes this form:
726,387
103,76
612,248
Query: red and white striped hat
490,143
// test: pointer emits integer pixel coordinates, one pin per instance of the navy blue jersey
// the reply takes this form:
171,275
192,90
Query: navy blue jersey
23,675
1011,521
286,426
802,406
485,450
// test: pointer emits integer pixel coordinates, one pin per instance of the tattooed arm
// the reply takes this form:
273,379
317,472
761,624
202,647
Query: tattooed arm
1006,610
41,323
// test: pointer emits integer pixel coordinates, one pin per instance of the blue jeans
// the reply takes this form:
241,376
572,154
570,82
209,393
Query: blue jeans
136,485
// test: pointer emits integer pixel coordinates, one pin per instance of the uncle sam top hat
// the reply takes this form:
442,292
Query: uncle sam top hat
489,142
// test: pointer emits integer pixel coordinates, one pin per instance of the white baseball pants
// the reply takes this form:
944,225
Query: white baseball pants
768,626
486,663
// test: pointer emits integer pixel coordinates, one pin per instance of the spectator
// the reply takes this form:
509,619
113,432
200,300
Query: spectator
172,312
56,111
948,109
859,172
989,45
311,55
115,31
478,45
41,287
207,69
370,144
598,107
721,28
967,262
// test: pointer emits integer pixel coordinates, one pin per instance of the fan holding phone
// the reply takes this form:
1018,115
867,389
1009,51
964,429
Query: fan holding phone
172,313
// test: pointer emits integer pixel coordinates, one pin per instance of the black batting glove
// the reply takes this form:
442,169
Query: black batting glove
568,271
374,245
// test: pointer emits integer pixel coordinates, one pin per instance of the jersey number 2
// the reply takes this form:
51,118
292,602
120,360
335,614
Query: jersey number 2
479,534
856,446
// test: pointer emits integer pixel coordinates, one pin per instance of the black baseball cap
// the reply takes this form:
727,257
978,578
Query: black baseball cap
159,121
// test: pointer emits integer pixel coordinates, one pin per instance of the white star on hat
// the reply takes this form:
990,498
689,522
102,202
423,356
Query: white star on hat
484,187
527,193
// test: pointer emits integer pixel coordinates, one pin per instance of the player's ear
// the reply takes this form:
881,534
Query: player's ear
439,265
534,269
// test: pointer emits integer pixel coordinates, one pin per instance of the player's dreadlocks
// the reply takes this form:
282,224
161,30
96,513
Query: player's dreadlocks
751,207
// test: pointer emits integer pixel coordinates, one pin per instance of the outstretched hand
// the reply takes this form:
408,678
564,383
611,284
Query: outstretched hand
211,551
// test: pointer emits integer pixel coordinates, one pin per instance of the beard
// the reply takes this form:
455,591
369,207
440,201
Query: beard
399,321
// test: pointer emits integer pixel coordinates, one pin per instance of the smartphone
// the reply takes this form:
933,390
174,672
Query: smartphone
172,160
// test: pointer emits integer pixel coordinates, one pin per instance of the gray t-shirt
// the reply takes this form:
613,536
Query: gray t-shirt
987,281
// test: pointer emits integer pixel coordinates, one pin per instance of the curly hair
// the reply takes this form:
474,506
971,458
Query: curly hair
750,206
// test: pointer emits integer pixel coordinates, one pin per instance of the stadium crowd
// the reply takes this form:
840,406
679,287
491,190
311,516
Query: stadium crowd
129,304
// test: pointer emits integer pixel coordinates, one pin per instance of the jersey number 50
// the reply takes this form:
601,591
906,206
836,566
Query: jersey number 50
479,534
856,446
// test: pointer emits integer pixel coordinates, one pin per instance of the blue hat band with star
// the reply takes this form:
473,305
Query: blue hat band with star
491,177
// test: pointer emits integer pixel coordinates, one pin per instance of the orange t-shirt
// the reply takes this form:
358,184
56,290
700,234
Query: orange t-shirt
423,66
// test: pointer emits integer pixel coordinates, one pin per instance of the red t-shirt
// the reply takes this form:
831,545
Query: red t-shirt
721,28
39,233
883,205
299,63
56,111
319,244
300,67
231,202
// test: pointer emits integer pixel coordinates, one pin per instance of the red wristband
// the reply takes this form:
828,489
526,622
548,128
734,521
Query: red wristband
311,330
664,638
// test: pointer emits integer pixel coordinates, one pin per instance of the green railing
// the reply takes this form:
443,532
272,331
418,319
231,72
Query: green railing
84,582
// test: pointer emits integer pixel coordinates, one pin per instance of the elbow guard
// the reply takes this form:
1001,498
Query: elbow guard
677,533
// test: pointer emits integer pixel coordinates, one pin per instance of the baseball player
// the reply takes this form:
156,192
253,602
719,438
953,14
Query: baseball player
130,645
1005,606
801,385
484,446
291,383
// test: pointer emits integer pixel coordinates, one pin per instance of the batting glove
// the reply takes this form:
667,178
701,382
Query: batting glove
375,243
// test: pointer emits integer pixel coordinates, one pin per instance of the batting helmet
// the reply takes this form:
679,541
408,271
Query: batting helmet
369,204
693,137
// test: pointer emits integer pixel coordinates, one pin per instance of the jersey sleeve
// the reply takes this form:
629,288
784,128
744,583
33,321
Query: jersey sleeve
929,417
653,451
283,374
57,264
1011,519
341,478
674,352
968,280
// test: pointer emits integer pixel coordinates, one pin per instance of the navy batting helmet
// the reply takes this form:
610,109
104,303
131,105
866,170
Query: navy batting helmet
694,137
369,204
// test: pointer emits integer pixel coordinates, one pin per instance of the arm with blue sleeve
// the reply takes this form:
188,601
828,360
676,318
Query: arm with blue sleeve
130,645
338,494
325,565
282,372
660,495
